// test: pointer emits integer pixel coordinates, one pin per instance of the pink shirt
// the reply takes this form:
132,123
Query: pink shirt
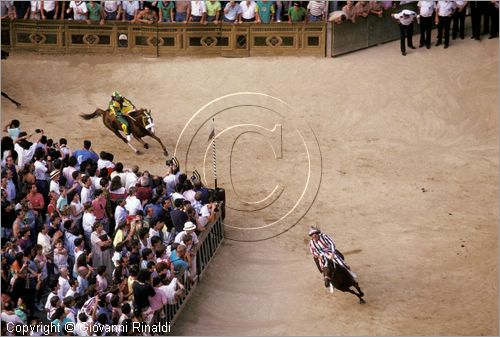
158,300
36,200
99,206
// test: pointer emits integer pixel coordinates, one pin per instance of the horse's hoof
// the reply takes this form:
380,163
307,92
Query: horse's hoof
138,152
146,146
165,153
362,301
18,105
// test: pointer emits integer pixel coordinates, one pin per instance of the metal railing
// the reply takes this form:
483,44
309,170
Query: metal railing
209,241
165,39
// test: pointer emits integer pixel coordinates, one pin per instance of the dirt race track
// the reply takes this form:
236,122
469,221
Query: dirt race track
409,179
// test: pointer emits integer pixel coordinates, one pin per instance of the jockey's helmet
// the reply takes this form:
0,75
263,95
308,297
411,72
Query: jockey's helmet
116,94
313,231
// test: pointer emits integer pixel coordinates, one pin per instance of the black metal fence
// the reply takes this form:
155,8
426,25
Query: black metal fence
209,241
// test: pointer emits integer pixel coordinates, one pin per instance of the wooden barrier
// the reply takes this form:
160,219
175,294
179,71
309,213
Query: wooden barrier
165,39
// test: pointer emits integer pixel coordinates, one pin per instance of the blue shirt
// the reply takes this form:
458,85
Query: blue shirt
84,154
178,262
157,210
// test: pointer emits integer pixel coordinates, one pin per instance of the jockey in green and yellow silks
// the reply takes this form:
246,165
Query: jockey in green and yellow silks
120,106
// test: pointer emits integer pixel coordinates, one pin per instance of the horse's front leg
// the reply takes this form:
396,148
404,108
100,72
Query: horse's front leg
361,300
11,99
327,279
152,135
356,285
146,146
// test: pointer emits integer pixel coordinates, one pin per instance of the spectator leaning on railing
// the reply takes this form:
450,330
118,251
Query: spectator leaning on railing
202,11
265,10
317,11
232,12
296,13
166,11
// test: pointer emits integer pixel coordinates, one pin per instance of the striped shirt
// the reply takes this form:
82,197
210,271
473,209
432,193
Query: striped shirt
317,8
322,246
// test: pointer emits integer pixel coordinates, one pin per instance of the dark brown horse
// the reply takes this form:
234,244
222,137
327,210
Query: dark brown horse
140,123
341,278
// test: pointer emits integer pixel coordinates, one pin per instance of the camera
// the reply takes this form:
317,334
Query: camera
216,209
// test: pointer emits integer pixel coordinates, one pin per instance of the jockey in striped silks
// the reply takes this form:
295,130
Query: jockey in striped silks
322,248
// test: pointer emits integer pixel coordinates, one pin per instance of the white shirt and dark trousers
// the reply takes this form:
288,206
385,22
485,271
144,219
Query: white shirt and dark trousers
405,18
458,18
426,17
444,11
475,17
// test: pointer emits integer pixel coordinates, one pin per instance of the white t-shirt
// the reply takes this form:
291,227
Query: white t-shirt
130,7
170,181
180,236
130,180
24,156
49,6
205,213
111,6
88,221
35,6
40,171
65,150
248,11
77,255
132,205
198,8
86,195
54,186
63,287
169,290
44,240
104,164
96,183
79,9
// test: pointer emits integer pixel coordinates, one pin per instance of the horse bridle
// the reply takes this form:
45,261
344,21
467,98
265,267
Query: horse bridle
147,120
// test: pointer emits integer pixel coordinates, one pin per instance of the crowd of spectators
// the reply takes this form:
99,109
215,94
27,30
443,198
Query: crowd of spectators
204,12
88,241
167,11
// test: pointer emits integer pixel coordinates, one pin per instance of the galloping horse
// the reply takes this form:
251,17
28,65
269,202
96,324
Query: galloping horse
140,123
342,279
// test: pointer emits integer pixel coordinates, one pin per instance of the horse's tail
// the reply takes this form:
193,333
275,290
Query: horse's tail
95,114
